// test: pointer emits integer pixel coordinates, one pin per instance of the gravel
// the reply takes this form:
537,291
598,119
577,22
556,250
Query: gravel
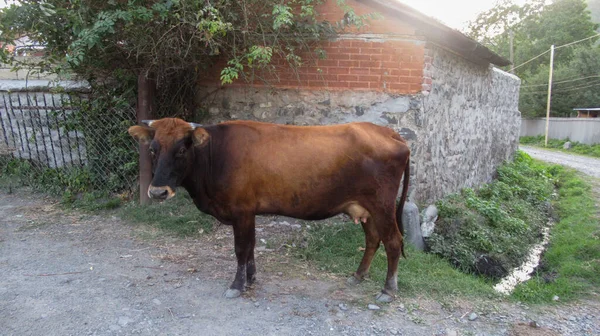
586,165
69,273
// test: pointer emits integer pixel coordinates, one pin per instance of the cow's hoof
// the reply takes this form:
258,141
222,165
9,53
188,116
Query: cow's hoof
384,298
232,293
353,281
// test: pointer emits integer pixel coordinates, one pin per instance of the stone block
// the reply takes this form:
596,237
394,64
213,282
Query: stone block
412,227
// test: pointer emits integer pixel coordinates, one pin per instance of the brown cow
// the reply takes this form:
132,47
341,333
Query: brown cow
239,169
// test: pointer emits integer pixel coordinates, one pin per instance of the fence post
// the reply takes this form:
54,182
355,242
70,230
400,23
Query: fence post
145,107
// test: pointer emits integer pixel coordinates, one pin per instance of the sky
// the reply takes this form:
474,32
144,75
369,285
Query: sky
454,13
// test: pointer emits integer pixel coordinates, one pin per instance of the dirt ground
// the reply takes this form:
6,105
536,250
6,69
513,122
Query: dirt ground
71,273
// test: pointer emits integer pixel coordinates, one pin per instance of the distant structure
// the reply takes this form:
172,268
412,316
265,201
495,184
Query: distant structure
587,112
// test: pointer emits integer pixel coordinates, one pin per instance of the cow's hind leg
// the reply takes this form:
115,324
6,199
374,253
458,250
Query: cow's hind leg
392,240
371,245
250,265
243,232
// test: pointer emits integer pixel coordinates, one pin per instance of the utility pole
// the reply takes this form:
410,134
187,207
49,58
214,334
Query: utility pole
549,94
511,36
145,108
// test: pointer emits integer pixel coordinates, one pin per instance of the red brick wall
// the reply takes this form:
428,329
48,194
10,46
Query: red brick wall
385,56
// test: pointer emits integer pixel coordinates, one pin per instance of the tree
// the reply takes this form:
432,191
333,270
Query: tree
536,26
176,40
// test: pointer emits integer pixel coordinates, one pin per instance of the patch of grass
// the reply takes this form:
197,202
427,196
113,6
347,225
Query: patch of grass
334,247
178,216
570,267
576,147
489,231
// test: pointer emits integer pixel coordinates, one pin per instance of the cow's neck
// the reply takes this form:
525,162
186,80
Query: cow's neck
198,181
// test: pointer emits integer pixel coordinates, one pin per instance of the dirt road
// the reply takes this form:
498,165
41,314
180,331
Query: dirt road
584,164
69,273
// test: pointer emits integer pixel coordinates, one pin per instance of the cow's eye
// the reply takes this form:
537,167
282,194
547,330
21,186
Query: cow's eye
181,151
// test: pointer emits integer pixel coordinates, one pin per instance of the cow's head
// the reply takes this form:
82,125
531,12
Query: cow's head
171,142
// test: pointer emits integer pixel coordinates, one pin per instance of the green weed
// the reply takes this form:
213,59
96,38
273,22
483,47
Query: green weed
571,264
576,147
176,216
490,230
334,247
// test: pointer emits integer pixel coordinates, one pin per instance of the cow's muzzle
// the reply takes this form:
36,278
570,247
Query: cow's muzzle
160,193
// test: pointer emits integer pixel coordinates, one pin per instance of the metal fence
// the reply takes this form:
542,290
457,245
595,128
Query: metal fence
64,140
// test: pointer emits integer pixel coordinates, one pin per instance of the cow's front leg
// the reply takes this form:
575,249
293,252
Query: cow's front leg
243,232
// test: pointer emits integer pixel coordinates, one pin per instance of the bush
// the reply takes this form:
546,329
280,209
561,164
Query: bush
489,231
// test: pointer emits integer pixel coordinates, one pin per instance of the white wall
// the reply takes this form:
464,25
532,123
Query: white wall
582,130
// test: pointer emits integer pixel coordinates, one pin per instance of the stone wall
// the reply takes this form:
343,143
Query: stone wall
459,130
470,125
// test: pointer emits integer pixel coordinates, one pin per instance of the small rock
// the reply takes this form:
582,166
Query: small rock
451,332
401,307
555,298
256,304
156,302
373,307
124,320
279,273
533,324
573,319
473,317
567,145
343,306
339,314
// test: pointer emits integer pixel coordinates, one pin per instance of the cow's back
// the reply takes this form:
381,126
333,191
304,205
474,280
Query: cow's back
308,171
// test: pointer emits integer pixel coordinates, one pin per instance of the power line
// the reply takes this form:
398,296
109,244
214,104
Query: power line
564,81
540,55
561,46
565,90
568,44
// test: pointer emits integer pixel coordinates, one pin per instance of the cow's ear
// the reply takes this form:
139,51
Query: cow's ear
141,133
200,137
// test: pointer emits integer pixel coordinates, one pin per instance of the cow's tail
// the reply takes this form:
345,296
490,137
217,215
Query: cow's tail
400,207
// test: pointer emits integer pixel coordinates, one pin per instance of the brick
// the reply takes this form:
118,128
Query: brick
370,64
379,71
360,57
378,86
399,87
348,78
370,51
370,78
390,79
317,84
391,65
400,72
327,77
307,77
412,80
381,57
349,50
339,71
361,44
338,56
411,65
416,73
327,62
338,84
359,71
415,87
349,64
358,85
